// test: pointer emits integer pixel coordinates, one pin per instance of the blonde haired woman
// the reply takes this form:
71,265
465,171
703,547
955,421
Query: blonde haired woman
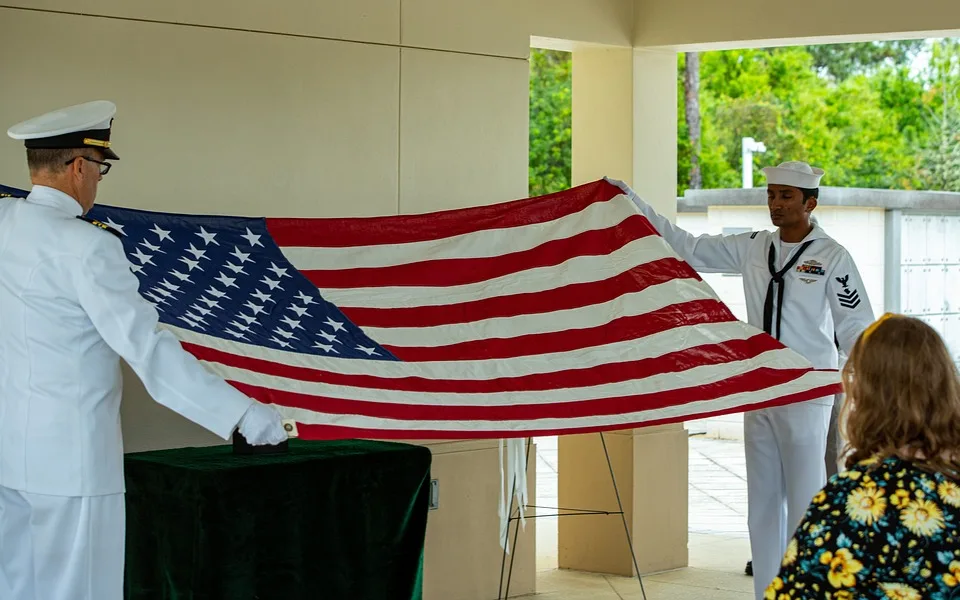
888,527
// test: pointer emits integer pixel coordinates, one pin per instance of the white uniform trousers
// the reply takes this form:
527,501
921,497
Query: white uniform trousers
61,547
784,449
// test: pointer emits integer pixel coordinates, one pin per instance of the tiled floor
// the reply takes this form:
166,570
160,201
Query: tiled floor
718,529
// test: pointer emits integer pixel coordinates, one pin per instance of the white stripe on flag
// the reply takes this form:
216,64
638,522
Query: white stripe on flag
663,382
582,269
811,380
628,305
652,346
477,244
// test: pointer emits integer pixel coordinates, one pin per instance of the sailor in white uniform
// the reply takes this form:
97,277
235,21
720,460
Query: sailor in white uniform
803,288
69,311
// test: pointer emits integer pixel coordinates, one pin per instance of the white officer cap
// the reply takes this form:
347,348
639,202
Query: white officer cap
81,126
794,173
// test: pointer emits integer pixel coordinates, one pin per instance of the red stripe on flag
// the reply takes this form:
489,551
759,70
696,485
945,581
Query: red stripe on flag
404,229
462,271
568,297
751,381
671,362
682,314
335,432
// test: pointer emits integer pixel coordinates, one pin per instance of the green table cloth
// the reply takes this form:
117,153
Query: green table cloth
327,520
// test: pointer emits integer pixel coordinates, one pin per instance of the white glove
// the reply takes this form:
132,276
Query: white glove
262,425
623,186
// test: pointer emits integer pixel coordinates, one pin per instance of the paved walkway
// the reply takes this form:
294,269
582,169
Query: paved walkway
718,542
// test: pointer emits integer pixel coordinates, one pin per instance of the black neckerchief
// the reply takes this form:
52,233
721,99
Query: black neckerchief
776,279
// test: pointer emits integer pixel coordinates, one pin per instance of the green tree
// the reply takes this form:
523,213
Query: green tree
550,121
940,152
842,61
863,130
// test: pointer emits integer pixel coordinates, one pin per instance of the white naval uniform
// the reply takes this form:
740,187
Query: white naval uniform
69,310
823,297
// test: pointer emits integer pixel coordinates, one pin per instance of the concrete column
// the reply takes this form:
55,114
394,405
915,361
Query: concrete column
624,126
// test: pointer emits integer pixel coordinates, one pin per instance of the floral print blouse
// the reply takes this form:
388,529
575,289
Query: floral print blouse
881,530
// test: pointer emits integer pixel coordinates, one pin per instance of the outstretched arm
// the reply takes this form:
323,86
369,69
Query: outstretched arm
705,253
108,292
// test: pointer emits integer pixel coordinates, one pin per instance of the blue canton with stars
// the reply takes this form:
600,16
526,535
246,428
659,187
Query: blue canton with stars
225,277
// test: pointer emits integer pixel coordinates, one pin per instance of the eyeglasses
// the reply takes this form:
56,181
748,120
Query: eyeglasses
104,166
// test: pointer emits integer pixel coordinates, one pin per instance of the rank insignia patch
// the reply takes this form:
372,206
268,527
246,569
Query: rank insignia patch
849,298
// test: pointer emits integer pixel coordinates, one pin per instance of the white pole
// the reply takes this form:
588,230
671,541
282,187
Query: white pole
748,147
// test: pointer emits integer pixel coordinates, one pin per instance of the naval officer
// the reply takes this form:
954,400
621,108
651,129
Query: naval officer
69,311
803,288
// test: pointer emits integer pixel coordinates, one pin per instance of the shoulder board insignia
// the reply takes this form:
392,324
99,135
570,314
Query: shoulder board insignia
753,235
101,225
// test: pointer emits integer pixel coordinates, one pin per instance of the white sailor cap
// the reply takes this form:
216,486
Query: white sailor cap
81,126
794,173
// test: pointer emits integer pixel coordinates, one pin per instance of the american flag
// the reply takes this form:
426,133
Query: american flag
559,314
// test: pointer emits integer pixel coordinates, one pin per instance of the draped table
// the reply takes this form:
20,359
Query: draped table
326,520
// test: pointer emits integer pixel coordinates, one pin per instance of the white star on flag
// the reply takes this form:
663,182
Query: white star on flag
161,233
208,238
336,325
252,238
241,256
116,226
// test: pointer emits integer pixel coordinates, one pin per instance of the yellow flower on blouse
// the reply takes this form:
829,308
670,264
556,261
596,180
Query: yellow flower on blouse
922,517
900,591
843,568
900,498
949,493
866,504
775,586
791,554
952,579
851,474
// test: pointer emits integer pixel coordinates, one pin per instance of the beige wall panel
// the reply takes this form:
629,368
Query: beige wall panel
361,20
463,123
462,555
214,121
661,519
217,121
504,27
671,23
655,129
495,27
594,21
602,107
596,543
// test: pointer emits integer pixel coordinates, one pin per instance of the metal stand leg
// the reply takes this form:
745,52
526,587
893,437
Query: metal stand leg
501,595
623,515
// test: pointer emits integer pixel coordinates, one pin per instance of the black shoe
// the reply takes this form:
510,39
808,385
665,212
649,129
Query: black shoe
749,569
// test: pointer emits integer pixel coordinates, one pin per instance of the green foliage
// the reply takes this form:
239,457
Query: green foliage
550,121
940,149
842,61
858,111
863,112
